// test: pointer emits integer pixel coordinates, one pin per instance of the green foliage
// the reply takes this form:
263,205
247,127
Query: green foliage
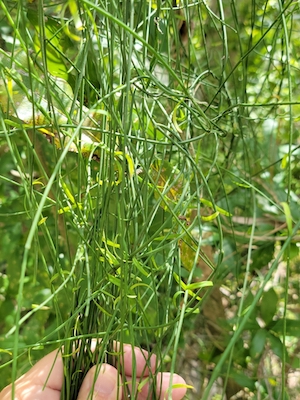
148,149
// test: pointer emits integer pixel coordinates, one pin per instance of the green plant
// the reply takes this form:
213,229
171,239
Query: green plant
136,138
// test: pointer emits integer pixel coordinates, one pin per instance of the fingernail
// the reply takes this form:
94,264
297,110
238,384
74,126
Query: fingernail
105,383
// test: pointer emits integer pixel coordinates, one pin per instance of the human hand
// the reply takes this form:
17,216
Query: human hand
45,379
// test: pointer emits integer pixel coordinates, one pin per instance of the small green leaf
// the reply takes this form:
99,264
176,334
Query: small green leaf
268,305
210,217
6,351
184,287
215,207
45,308
288,216
242,379
199,285
276,345
190,310
67,192
291,327
182,385
243,185
174,119
53,44
114,280
284,161
258,343
42,221
139,267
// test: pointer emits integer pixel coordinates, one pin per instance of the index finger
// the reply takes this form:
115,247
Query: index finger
42,382
138,360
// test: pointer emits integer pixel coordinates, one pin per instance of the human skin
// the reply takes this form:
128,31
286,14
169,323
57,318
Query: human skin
44,380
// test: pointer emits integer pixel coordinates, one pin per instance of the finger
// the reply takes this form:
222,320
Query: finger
138,360
42,382
164,386
102,385
164,380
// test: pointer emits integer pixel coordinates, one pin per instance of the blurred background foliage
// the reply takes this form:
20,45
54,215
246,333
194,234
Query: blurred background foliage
148,149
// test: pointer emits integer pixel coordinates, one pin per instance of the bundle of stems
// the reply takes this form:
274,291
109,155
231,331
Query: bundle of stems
126,123
117,177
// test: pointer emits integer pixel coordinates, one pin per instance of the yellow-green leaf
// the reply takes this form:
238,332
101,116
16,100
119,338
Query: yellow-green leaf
288,216
210,217
42,221
215,207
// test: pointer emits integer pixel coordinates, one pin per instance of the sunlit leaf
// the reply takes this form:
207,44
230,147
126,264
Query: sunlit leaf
184,287
288,216
268,305
211,217
53,45
258,343
214,206
42,221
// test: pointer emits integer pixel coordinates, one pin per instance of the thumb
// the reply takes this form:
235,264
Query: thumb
104,387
